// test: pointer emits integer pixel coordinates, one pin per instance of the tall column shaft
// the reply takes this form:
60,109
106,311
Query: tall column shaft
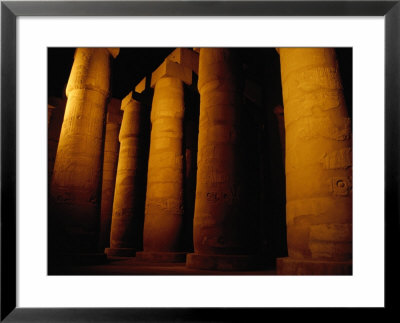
110,162
75,186
163,223
164,198
318,163
127,202
220,229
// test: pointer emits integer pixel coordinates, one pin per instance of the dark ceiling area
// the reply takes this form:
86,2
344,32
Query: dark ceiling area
132,64
128,69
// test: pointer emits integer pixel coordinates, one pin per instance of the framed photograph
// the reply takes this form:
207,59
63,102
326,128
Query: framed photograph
250,115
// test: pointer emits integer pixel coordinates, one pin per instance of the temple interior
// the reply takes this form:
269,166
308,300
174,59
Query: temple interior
200,161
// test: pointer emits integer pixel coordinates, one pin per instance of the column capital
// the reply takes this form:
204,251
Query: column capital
129,100
90,71
171,69
186,57
114,52
220,66
143,91
141,86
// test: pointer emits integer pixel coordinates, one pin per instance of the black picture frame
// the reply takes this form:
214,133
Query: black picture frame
10,10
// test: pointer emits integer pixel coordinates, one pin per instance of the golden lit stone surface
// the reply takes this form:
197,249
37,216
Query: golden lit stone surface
76,183
220,228
110,162
318,156
164,198
125,207
185,57
162,233
173,70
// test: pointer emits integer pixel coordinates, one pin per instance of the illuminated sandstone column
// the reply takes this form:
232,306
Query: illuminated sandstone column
75,187
110,162
126,204
222,230
318,164
164,198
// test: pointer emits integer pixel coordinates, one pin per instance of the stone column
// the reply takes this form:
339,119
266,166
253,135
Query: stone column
318,164
110,162
76,183
129,173
162,234
222,232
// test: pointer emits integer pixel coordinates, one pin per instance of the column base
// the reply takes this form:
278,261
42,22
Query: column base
225,262
291,266
120,252
153,256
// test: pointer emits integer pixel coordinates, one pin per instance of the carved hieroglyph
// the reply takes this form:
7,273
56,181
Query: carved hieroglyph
318,155
75,187
110,162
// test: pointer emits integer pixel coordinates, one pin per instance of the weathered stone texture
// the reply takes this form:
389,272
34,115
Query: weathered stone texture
164,198
220,225
129,176
75,187
318,156
110,162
